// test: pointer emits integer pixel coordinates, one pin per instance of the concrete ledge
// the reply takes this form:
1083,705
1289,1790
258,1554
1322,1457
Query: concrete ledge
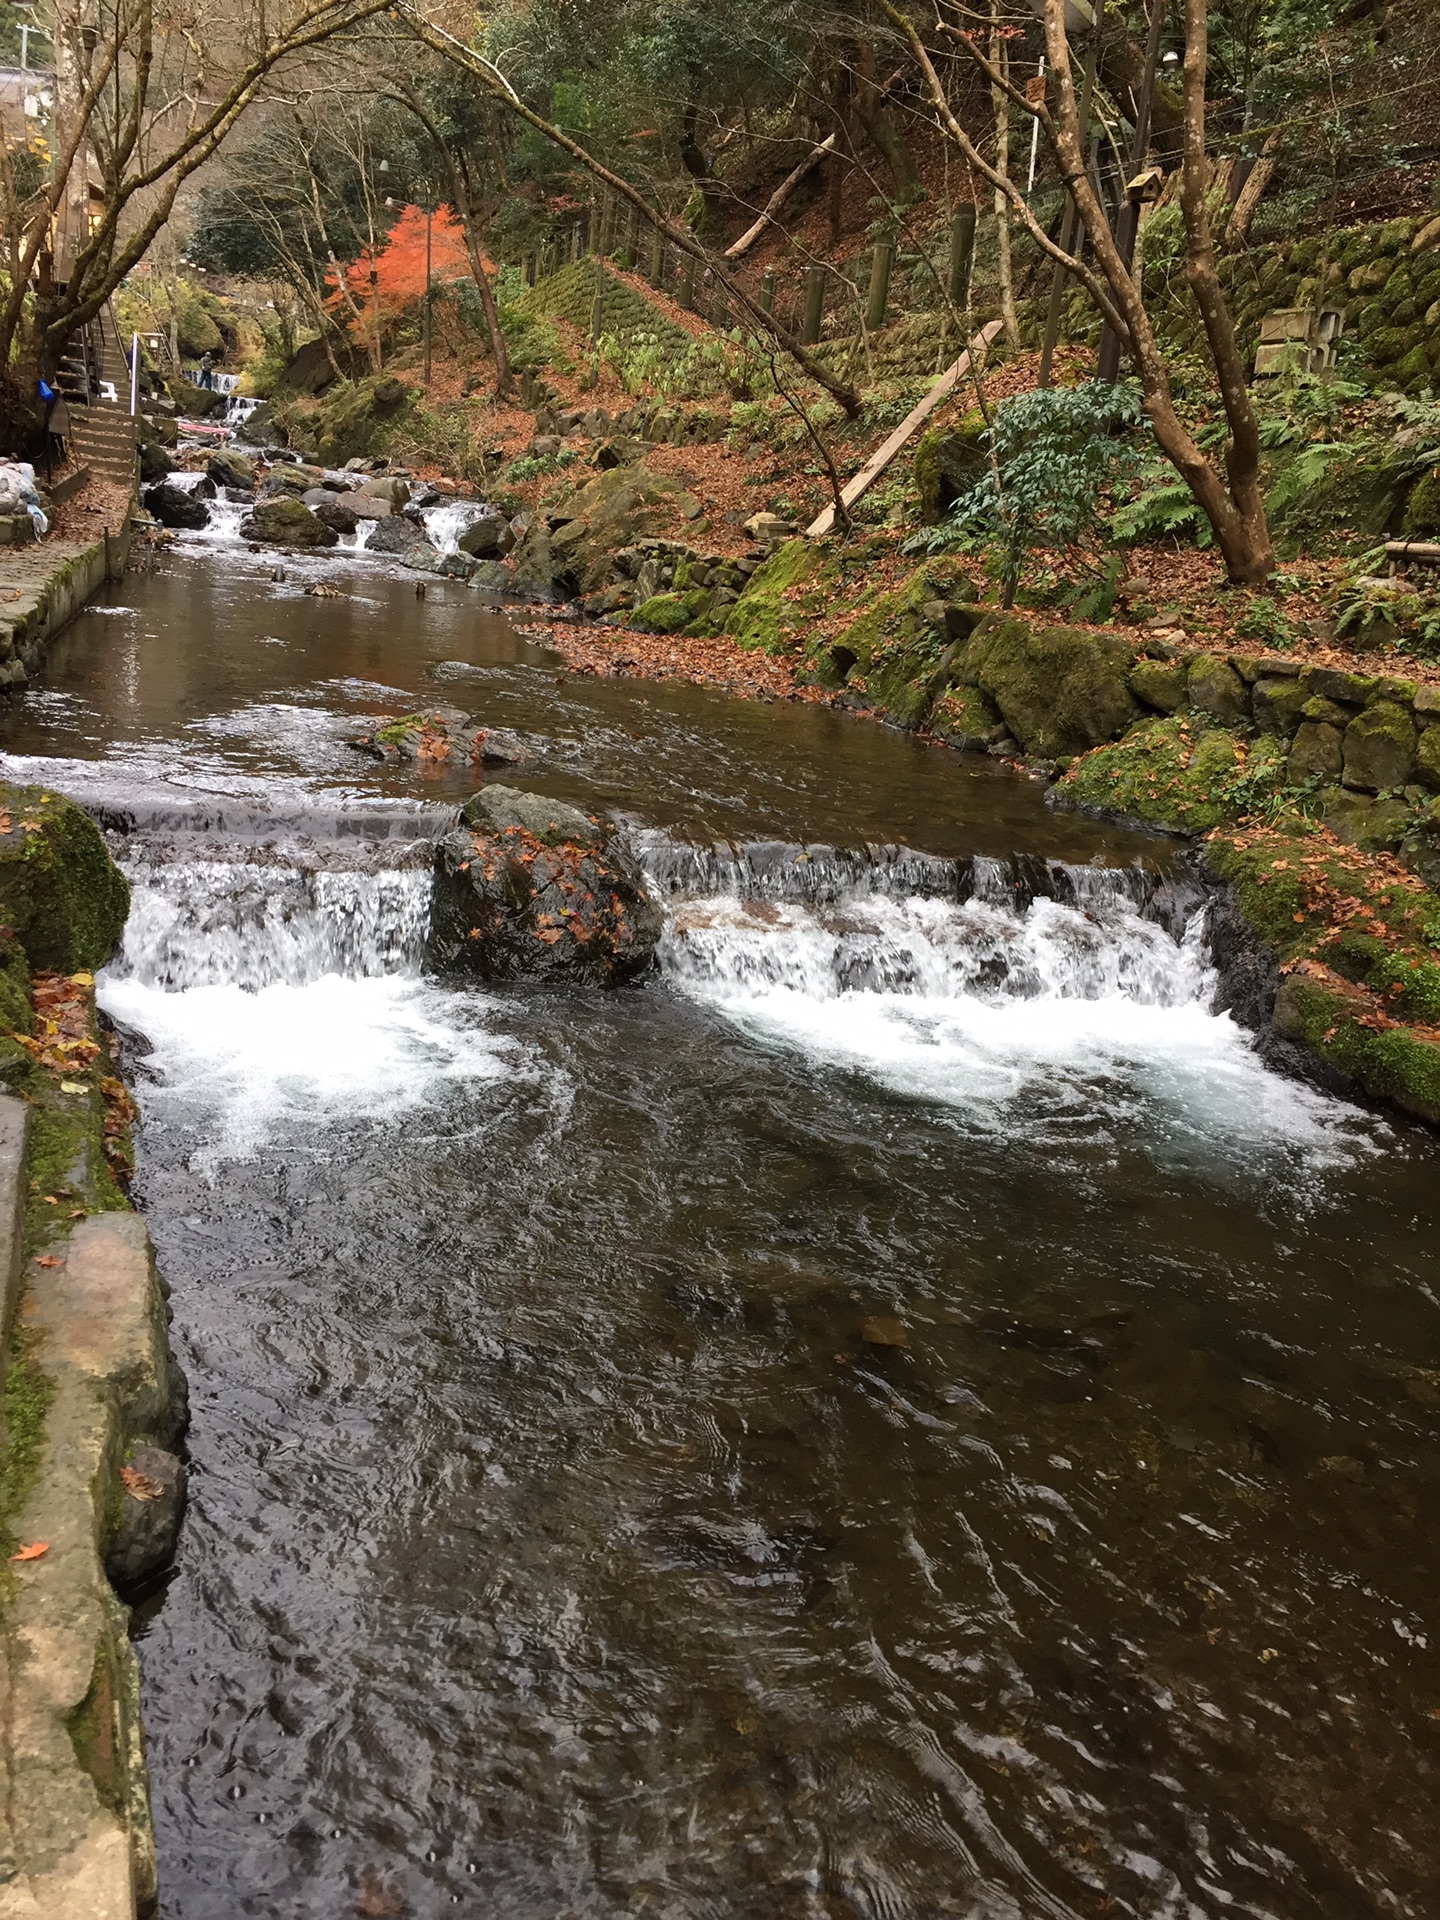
43,587
76,1841
14,1137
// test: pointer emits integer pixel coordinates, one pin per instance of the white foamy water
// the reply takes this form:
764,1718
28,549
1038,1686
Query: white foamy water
1021,1020
277,998
270,1067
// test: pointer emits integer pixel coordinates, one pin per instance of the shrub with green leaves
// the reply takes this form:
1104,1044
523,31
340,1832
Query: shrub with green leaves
1056,462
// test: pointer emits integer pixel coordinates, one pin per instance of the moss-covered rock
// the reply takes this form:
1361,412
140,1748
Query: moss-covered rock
1357,940
1217,691
1422,511
61,894
1277,705
1365,820
1379,748
670,612
1060,690
782,600
1169,774
1159,684
1427,757
966,718
1317,753
947,463
902,651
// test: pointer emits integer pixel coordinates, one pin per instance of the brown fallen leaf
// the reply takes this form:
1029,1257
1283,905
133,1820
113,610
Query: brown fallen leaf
878,1332
140,1484
49,1260
33,1551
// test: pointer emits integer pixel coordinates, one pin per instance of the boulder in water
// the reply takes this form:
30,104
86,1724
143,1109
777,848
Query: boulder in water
529,887
230,469
336,515
487,539
174,507
292,476
394,534
155,463
286,522
152,1506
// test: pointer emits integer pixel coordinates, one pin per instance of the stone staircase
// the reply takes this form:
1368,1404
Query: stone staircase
102,434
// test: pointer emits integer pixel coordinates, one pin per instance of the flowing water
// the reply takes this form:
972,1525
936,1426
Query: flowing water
897,1415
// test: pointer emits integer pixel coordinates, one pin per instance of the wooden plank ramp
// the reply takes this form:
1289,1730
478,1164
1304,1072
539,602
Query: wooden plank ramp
887,450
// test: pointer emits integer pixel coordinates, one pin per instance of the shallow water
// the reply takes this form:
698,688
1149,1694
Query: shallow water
900,1415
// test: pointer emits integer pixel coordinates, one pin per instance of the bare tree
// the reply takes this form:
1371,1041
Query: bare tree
143,97
679,236
1229,494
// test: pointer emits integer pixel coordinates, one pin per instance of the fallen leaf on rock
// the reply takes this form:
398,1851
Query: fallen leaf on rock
73,1086
33,1551
140,1484
49,1260
884,1333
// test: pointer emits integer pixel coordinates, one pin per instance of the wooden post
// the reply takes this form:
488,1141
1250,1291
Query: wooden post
597,304
881,266
962,253
607,225
720,310
529,269
767,294
627,242
814,305
657,258
687,284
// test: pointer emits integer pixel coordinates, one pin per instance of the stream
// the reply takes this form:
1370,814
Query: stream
897,1415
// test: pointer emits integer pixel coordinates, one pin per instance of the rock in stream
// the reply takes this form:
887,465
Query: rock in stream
528,887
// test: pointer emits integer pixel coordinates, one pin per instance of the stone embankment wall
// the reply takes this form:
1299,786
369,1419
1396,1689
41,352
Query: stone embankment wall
43,587
91,1490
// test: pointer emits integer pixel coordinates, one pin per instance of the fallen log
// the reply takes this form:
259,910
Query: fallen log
738,248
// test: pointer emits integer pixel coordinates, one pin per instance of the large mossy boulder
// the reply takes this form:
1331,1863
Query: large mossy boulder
783,599
1174,775
227,468
1379,748
286,522
61,894
1060,690
527,887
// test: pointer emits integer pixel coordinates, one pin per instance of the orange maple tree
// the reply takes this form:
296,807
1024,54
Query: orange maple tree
387,283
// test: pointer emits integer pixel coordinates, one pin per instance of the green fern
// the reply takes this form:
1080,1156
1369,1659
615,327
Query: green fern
1165,511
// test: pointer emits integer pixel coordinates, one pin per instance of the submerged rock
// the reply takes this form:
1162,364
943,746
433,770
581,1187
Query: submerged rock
527,886
286,522
152,1507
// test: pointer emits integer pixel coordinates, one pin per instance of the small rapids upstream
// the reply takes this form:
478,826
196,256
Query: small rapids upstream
897,1415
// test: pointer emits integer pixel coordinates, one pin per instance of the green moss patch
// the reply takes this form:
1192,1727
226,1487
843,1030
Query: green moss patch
671,612
1357,938
1169,774
61,894
26,1401
783,600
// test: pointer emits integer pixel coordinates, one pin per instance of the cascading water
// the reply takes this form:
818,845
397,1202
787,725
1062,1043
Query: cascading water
897,1413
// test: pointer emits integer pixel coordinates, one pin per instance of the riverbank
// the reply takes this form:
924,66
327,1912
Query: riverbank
92,1398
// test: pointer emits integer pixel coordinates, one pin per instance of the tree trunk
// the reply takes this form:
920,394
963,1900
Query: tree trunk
885,136
1000,100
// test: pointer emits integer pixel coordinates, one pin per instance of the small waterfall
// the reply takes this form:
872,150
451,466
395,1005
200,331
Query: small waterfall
223,923
934,950
445,524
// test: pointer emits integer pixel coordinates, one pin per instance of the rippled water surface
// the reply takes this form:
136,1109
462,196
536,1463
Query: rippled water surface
898,1415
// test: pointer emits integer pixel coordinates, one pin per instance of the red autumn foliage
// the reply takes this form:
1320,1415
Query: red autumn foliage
399,276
